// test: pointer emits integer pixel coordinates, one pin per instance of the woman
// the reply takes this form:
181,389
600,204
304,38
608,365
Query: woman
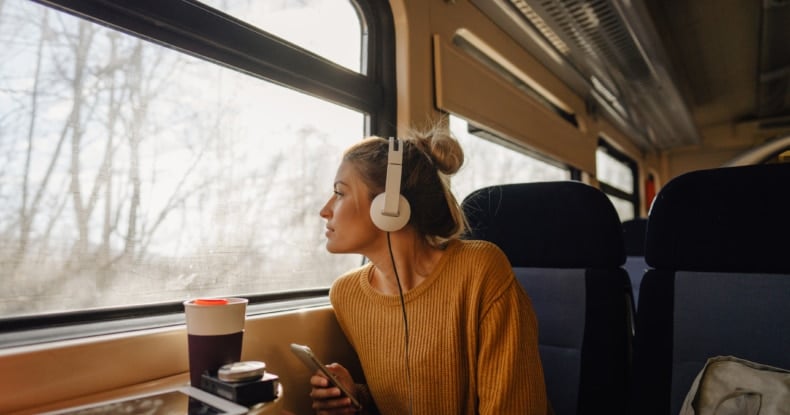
462,336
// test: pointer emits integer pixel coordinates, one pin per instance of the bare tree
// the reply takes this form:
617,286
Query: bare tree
29,208
81,49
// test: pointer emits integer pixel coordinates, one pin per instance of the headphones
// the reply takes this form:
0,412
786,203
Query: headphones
390,211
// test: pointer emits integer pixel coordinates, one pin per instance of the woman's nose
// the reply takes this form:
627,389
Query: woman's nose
325,211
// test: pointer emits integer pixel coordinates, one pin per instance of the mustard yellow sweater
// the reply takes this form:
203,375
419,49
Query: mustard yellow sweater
473,340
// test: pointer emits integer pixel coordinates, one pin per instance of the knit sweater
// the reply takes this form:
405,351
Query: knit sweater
472,344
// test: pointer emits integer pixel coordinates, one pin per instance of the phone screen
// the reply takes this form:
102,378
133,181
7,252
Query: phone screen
305,354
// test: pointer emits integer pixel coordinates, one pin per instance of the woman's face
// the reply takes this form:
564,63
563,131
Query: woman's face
349,228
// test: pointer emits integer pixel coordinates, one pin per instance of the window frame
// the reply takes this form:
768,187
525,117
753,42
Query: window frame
227,41
196,29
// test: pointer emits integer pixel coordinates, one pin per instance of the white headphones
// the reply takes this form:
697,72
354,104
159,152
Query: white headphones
390,211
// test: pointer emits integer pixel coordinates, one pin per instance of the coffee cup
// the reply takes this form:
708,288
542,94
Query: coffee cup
215,330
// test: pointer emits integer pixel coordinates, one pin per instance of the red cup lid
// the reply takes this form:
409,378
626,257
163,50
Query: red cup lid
211,301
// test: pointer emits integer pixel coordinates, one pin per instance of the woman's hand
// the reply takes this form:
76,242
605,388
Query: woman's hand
329,399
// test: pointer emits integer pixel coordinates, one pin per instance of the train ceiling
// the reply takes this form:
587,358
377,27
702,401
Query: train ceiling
662,70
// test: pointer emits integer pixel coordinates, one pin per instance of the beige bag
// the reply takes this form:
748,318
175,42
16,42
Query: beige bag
728,385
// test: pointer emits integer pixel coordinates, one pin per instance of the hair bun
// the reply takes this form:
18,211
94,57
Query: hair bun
444,150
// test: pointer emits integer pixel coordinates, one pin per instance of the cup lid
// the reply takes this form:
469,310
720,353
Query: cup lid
211,301
215,316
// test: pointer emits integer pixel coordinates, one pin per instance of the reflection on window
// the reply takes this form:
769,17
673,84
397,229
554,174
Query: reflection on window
134,174
487,163
330,22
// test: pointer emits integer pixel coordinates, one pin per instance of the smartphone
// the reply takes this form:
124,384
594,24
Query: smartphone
305,354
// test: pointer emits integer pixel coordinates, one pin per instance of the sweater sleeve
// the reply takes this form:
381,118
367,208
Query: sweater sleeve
510,374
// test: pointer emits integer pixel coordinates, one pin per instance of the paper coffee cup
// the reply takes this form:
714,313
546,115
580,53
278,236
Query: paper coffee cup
215,330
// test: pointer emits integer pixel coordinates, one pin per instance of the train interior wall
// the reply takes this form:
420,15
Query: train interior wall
54,375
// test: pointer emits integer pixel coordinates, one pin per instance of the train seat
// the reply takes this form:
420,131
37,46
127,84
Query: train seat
634,231
565,244
719,286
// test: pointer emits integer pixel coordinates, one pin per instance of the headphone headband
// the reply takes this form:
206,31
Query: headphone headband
394,173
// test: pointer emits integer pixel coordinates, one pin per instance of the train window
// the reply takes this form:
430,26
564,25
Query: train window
133,173
617,177
512,166
331,23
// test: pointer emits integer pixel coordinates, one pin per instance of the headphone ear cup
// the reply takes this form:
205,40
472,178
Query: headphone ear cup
389,223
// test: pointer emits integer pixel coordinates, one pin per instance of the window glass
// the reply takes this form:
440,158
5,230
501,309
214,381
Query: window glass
481,155
613,172
624,208
134,174
618,181
330,22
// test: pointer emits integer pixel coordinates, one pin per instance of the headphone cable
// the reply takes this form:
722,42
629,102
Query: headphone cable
405,323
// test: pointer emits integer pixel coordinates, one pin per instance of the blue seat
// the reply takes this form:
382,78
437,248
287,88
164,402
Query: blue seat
719,243
565,244
634,231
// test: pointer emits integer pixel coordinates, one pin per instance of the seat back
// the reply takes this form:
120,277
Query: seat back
634,231
718,242
565,244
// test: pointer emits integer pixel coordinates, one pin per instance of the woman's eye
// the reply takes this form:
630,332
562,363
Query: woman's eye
338,194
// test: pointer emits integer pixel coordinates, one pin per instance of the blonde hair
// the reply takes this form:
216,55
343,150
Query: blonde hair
430,157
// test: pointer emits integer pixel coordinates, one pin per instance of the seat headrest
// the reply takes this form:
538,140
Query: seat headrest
564,224
732,219
634,231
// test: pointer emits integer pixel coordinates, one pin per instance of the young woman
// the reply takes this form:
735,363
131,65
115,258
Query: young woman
440,324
